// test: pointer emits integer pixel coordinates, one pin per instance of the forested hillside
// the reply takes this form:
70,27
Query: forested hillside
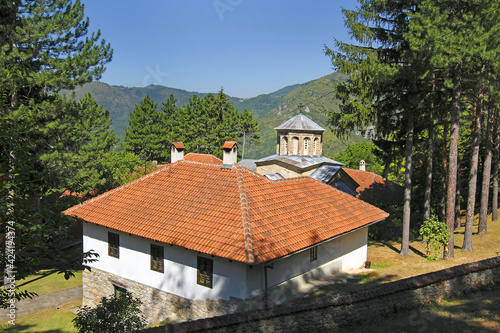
269,109
120,100
316,99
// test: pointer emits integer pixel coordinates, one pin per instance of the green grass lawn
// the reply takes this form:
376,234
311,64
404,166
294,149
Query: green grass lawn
47,320
50,319
49,281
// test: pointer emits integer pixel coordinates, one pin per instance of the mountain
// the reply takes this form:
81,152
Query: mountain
315,97
120,100
316,100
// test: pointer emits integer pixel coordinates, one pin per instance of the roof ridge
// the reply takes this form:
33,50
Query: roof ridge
201,163
370,172
245,218
191,153
253,173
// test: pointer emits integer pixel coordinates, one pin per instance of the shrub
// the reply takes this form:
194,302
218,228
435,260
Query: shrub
114,314
435,235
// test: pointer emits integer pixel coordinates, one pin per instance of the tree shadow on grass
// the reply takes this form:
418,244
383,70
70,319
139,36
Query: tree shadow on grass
25,328
395,249
418,252
40,277
390,246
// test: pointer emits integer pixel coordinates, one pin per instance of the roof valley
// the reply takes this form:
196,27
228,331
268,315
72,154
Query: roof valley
245,218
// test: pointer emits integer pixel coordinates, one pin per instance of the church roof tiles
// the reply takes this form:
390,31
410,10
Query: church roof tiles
230,213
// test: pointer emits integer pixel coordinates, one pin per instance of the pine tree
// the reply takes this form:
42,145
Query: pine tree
44,47
146,135
94,143
193,121
485,188
383,89
205,124
248,130
477,121
170,122
496,151
225,126
434,35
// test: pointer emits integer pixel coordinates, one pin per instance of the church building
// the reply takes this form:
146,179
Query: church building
299,152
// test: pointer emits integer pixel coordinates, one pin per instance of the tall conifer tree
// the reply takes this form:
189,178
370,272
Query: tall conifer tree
382,89
248,130
44,47
146,135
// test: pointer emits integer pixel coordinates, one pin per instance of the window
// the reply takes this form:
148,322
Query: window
119,291
205,269
157,258
113,245
295,146
313,253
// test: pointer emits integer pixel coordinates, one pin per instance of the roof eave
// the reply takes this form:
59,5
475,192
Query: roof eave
272,261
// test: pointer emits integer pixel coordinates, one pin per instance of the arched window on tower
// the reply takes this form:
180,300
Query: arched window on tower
295,146
306,146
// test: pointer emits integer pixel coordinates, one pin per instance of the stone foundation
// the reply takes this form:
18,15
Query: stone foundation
328,314
157,305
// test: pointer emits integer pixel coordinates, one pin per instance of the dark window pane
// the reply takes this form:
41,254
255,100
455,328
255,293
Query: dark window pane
205,269
157,258
314,253
113,245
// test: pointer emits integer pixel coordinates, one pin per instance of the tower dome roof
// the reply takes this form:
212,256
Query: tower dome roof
300,122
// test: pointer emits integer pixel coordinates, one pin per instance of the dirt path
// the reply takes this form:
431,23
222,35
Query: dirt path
41,302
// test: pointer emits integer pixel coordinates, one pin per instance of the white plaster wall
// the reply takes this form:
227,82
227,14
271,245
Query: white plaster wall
255,280
343,253
355,249
179,277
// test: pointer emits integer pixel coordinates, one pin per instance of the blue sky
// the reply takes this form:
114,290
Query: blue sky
248,47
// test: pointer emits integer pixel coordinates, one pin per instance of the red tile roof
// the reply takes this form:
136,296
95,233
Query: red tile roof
228,144
368,180
202,158
231,213
178,145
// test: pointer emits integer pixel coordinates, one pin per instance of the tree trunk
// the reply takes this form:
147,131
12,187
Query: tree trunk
477,121
430,153
494,199
405,243
244,142
444,163
453,157
485,190
458,222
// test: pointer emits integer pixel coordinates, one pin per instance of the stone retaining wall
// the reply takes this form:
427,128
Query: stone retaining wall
326,314
157,305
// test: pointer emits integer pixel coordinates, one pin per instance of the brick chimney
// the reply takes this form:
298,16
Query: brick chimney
362,165
176,151
230,153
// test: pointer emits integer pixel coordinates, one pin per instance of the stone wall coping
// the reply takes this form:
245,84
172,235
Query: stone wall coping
414,282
